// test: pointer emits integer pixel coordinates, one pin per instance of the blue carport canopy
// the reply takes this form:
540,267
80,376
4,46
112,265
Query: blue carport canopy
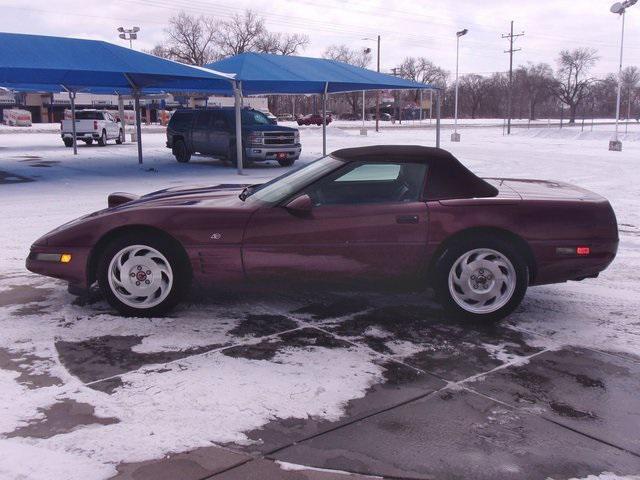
262,73
52,64
83,65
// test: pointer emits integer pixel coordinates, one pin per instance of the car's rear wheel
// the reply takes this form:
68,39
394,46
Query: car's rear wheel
141,276
102,141
181,152
88,141
68,142
481,278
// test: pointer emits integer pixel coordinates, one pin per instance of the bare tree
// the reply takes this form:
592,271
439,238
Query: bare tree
241,33
630,81
572,80
359,58
536,82
190,39
471,91
281,44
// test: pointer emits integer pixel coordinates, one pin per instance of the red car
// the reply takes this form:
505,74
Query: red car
313,119
377,216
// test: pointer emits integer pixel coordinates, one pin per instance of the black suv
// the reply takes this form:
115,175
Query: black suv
212,131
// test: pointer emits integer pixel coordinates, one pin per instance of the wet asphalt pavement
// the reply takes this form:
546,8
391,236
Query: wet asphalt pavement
458,400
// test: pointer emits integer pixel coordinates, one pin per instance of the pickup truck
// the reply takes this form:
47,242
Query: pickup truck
92,125
212,132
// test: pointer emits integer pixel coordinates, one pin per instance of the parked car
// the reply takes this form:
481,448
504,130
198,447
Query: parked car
351,116
384,117
403,216
99,125
213,132
285,117
313,119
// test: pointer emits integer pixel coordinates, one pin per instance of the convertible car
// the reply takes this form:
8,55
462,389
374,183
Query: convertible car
383,216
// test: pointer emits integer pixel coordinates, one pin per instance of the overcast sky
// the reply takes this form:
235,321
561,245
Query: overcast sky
417,28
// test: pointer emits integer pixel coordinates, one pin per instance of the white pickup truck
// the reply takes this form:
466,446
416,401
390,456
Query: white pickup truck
99,125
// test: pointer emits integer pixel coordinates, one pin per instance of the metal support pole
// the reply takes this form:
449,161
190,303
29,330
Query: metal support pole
324,119
136,100
615,138
237,93
121,114
438,119
626,124
430,106
378,93
455,137
363,130
420,106
72,99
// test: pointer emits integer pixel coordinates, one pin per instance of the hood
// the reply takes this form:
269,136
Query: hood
267,128
202,195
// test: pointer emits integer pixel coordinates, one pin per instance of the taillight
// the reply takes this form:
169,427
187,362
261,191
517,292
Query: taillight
583,251
95,124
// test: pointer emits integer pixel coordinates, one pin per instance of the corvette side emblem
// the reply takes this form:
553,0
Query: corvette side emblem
216,236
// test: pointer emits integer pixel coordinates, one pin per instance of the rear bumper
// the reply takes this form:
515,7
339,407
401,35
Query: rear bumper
74,272
554,268
270,152
82,135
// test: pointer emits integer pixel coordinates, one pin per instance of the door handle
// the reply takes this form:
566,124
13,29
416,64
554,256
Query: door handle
407,219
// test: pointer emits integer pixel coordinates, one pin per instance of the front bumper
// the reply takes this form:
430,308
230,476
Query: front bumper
262,153
44,260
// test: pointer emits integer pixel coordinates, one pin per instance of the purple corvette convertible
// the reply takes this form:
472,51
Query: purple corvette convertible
400,216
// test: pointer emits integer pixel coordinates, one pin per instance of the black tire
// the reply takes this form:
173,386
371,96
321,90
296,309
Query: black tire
102,141
454,251
181,152
120,139
177,261
89,141
287,162
68,142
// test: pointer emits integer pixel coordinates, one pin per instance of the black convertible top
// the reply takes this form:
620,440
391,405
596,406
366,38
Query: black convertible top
446,176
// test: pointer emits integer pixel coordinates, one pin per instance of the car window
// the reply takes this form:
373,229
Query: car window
372,172
253,117
218,120
280,188
88,115
370,182
203,120
180,120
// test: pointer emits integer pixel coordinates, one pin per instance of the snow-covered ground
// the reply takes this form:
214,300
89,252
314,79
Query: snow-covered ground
230,396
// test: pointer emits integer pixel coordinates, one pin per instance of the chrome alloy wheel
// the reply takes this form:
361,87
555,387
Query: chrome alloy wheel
482,281
140,276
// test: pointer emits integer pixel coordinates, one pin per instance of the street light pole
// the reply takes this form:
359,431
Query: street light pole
455,136
615,145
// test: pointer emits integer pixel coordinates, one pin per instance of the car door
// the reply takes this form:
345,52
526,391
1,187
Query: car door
365,225
111,126
219,134
200,132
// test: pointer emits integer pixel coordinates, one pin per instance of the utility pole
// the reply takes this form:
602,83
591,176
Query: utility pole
511,38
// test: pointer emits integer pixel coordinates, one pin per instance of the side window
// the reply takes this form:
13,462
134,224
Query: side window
373,182
218,120
203,119
180,120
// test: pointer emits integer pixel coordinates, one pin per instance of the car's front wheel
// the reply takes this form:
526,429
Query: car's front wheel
141,276
481,278
120,139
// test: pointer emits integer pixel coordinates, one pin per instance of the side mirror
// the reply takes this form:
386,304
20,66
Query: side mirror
118,119
301,205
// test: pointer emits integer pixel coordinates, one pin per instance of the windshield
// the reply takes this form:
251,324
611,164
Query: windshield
280,188
253,117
